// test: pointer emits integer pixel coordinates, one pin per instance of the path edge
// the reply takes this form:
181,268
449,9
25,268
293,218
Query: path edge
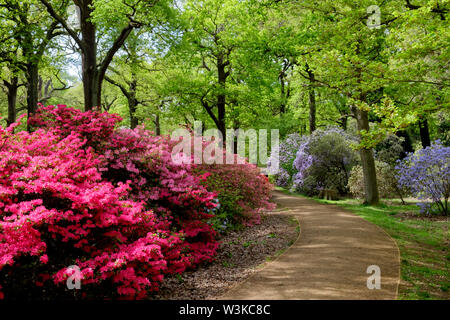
384,231
266,264
298,239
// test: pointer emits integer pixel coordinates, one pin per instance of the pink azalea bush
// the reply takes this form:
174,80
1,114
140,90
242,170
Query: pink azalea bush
126,216
243,193
171,190
93,126
79,191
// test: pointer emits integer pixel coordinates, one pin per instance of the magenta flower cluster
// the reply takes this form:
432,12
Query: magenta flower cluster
77,191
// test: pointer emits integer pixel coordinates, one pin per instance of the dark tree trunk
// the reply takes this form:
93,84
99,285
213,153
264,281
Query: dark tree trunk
12,88
312,110
32,88
368,162
132,103
424,133
132,109
344,122
221,98
157,125
89,57
407,143
283,95
129,91
92,73
312,100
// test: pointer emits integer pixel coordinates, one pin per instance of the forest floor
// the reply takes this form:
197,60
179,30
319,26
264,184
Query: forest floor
241,254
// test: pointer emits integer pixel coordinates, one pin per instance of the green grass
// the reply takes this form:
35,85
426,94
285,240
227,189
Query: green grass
423,244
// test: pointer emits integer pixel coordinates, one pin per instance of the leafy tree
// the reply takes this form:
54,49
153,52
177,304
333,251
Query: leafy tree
27,31
115,21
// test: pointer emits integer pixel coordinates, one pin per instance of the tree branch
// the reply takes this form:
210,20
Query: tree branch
438,10
121,87
118,43
62,21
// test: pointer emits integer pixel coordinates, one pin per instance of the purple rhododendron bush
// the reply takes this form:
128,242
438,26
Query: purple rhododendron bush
322,160
77,191
426,173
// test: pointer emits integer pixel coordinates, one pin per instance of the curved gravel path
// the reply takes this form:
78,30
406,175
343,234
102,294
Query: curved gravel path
329,260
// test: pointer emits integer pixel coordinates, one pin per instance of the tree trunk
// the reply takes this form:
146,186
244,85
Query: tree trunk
132,109
312,110
132,104
344,122
91,84
406,144
312,100
221,99
32,88
283,94
92,73
12,98
368,162
157,125
424,133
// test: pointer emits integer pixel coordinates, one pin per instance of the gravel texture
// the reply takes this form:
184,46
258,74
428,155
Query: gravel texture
240,254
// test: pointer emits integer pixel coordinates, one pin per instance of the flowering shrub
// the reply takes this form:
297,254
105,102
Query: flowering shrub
123,213
427,174
57,211
93,126
171,190
285,158
242,190
323,161
77,191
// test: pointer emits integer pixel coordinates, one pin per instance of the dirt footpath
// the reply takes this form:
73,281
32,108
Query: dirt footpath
328,261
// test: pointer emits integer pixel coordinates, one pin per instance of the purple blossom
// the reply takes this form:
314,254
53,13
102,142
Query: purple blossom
283,178
324,160
302,163
427,174
287,153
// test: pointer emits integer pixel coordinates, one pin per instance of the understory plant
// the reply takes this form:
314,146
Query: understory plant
387,153
387,182
285,159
